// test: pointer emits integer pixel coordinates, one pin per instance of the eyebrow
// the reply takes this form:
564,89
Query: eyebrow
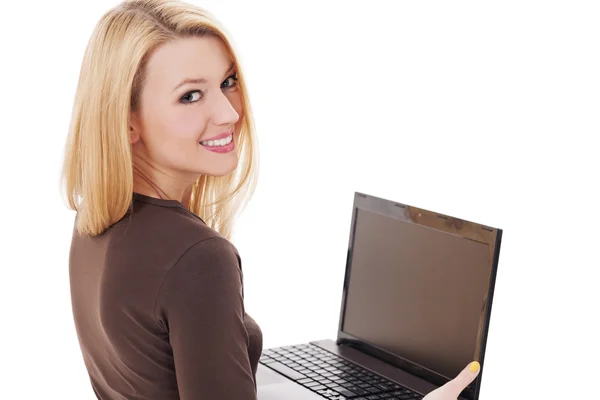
200,80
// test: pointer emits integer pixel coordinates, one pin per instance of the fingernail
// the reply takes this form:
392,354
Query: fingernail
474,366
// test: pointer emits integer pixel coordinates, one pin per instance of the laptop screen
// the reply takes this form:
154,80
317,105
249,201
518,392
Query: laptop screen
416,291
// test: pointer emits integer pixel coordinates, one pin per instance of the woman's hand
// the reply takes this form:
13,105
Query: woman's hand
452,389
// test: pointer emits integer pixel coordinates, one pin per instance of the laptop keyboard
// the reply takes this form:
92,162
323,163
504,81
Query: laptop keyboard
332,376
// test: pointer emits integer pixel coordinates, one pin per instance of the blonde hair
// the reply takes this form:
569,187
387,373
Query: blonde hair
97,174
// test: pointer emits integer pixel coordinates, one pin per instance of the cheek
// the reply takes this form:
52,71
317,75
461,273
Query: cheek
173,130
187,125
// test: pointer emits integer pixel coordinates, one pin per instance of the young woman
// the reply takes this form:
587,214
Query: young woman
161,157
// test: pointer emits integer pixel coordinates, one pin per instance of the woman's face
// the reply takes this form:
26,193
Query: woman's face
190,95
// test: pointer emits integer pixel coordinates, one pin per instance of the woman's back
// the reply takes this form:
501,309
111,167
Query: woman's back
158,305
161,111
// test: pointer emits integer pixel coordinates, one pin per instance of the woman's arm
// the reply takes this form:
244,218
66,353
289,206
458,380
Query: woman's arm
201,306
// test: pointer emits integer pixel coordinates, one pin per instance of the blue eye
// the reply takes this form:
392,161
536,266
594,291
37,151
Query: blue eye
232,82
191,97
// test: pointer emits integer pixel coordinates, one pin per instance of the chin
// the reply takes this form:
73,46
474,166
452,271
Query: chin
223,168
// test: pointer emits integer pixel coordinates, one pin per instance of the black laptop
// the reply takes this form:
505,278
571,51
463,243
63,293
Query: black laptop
415,310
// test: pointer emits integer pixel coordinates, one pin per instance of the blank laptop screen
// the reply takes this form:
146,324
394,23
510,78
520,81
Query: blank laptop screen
417,292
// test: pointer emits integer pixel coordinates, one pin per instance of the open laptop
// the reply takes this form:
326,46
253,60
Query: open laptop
415,310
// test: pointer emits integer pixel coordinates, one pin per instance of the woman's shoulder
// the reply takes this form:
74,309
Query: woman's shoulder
163,235
166,218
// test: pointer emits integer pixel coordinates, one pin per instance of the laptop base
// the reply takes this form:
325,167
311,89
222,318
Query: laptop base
276,380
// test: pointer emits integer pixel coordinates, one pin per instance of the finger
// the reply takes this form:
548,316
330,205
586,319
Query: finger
464,378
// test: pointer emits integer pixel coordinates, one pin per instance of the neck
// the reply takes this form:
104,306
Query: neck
161,185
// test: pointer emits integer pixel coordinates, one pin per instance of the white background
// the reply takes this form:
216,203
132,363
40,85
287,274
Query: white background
489,112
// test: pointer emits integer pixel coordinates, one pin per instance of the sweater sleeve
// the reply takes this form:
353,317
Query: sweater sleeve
201,306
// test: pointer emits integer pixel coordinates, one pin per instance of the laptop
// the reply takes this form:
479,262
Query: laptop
415,310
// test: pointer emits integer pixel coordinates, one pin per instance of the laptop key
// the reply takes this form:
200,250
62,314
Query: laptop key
328,393
344,391
287,371
312,384
353,389
365,386
359,391
383,386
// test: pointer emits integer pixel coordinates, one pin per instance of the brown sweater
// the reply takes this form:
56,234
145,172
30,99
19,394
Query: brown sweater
159,310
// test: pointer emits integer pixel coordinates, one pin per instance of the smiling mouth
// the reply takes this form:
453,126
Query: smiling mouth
217,143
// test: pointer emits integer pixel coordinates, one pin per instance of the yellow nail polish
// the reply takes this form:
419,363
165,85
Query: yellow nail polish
474,366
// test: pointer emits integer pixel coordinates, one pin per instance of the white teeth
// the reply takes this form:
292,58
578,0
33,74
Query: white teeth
217,143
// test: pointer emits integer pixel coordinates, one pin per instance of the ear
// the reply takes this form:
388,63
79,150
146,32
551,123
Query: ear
134,128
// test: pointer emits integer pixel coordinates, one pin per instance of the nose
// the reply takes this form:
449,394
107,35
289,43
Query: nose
223,112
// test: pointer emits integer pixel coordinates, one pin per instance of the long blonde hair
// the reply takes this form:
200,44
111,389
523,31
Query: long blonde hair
97,174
